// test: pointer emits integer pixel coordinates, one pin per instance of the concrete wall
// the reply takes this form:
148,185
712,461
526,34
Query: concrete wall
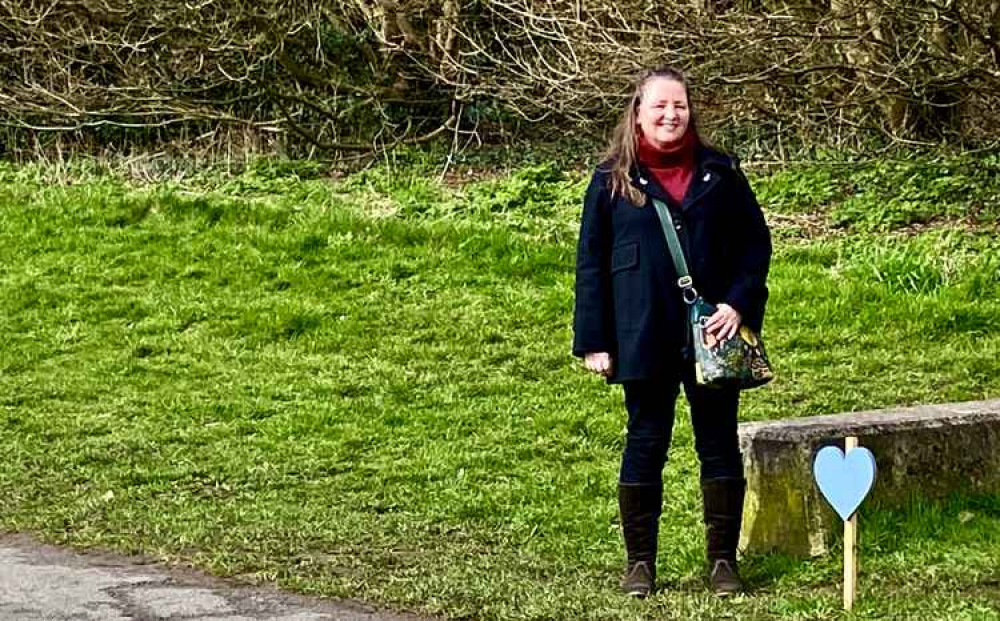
928,451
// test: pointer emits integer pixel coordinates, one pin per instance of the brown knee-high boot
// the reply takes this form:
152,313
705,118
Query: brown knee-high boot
723,501
640,506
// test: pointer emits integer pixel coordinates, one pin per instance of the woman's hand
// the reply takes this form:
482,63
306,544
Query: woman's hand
724,323
599,362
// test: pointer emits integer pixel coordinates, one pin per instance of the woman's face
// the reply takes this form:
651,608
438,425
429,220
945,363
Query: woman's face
663,113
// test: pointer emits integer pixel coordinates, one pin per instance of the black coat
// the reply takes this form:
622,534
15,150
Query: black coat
627,300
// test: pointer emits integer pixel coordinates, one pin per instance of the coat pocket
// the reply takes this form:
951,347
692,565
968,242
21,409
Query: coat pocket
627,284
624,257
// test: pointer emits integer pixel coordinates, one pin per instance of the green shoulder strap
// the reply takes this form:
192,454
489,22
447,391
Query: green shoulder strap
676,252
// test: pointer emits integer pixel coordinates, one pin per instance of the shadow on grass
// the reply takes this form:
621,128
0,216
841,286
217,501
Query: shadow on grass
924,545
957,520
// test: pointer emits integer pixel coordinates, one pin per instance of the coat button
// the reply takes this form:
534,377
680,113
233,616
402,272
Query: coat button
707,177
643,181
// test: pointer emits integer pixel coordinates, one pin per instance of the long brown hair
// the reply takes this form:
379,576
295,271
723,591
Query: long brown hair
621,152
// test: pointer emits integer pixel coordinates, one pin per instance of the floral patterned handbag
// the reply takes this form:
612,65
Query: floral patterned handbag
739,361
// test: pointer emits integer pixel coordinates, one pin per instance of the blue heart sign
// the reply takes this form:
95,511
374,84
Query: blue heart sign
844,481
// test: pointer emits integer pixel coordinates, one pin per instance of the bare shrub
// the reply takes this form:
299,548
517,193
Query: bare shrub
357,76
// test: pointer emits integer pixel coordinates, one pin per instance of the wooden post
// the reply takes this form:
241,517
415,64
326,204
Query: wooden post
850,545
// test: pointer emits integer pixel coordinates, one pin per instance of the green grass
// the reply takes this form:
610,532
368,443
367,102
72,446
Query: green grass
879,195
364,389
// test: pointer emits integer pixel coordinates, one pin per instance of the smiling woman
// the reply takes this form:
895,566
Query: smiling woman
630,324
664,115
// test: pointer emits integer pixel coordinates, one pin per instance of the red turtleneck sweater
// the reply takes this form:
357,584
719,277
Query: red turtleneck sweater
673,166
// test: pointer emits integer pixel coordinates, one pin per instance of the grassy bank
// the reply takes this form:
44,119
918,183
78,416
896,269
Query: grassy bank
363,388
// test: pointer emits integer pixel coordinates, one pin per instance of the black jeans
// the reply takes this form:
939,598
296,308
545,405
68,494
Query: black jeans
650,405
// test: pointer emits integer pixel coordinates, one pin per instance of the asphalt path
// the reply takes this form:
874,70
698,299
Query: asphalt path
40,582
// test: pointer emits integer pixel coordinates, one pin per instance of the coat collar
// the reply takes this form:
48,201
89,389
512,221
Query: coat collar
711,165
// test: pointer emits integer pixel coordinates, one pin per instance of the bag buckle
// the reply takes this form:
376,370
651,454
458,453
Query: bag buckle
687,289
